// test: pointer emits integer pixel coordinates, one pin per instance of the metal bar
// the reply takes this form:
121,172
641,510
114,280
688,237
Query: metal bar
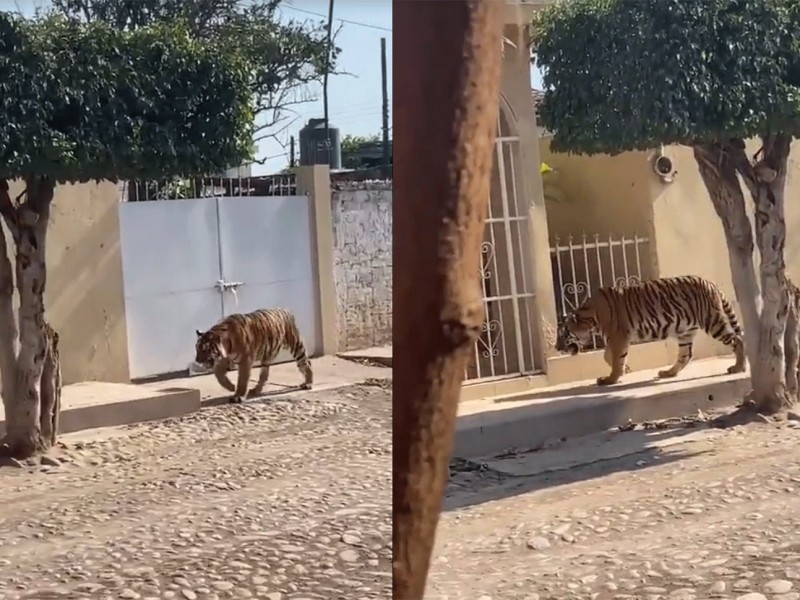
572,269
636,240
522,236
509,250
611,257
625,260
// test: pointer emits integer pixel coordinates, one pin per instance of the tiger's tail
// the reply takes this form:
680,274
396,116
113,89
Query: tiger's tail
728,310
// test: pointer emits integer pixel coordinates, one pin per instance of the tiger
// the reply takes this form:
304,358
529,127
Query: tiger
654,310
243,339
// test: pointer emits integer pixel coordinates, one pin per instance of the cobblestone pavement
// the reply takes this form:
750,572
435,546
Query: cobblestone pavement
286,498
716,518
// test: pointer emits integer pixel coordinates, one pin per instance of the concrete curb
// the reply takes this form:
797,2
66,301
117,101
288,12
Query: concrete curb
529,424
156,405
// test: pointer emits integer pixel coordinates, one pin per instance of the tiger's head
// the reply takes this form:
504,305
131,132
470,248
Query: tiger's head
209,349
577,328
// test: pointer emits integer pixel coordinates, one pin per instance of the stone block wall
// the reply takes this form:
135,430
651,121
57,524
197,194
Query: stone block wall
362,227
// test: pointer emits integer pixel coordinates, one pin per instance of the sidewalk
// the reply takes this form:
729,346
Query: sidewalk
93,404
490,426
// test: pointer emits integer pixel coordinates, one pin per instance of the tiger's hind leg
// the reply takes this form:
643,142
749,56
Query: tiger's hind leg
722,331
263,376
303,363
685,347
618,349
245,364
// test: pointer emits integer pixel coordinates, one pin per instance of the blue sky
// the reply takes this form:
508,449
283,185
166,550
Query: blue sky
354,99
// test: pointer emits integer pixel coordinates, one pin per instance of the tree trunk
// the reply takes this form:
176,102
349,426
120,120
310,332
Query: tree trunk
8,320
447,70
718,172
28,225
767,180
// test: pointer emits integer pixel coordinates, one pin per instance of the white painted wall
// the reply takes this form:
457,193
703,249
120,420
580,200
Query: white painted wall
362,228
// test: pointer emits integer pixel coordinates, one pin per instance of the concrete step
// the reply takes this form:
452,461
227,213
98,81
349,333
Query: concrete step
92,404
490,426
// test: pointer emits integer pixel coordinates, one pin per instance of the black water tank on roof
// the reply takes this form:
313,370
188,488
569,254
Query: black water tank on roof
314,145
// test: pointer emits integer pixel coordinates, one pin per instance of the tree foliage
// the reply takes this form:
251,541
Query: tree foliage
86,101
622,75
285,55
352,144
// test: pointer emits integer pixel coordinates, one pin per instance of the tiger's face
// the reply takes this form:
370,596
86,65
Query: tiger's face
208,349
577,329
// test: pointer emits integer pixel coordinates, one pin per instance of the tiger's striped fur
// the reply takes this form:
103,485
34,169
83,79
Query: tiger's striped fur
243,339
652,310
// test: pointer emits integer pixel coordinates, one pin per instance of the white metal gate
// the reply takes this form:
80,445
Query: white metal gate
187,263
505,347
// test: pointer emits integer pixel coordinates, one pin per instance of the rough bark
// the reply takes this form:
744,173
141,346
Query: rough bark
766,180
718,171
28,225
447,72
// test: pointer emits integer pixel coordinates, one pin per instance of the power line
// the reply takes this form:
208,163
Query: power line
348,21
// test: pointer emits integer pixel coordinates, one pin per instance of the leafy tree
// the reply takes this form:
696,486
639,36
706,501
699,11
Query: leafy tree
287,55
88,102
709,74
352,144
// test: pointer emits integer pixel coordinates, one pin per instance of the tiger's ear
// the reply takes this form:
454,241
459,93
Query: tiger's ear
199,333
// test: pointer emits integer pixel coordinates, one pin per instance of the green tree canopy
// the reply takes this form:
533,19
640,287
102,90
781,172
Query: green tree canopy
86,101
286,55
635,74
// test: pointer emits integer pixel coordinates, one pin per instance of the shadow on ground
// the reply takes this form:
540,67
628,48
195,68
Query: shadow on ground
225,399
594,390
476,481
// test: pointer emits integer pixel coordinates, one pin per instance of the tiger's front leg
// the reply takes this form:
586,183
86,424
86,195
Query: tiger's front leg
245,364
609,361
221,373
618,350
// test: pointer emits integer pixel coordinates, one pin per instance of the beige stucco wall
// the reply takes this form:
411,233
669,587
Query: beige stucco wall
621,195
598,194
84,295
690,238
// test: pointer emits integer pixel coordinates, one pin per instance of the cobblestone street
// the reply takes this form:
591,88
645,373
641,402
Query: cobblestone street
283,498
712,518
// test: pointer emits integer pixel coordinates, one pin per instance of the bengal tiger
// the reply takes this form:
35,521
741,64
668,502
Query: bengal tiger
243,339
654,310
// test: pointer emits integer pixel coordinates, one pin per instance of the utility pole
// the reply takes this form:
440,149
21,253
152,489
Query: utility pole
385,90
325,80
291,152
446,92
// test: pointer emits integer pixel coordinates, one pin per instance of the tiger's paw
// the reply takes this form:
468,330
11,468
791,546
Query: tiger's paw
305,386
736,369
667,374
235,400
606,380
255,392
